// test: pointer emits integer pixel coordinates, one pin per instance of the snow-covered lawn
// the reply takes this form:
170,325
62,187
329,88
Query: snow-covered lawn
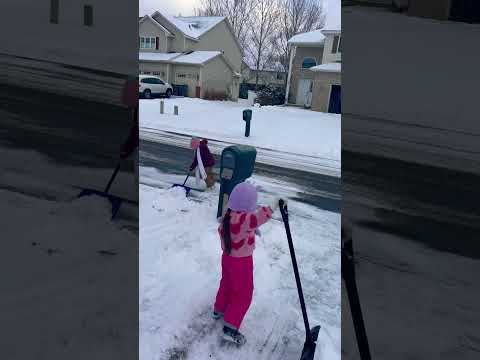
279,128
180,270
59,235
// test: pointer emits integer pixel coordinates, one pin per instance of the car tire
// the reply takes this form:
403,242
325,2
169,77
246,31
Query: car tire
147,94
168,93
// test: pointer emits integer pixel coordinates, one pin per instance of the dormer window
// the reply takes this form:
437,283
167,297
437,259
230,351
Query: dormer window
148,42
308,63
337,44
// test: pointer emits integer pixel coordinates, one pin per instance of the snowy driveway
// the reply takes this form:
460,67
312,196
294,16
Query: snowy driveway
180,269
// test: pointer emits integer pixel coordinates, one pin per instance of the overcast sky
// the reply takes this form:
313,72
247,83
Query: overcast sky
174,7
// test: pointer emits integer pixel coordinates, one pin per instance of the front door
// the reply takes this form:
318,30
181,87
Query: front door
304,89
335,103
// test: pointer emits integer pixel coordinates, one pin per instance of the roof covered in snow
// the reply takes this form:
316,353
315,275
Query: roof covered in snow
329,67
157,56
194,26
309,38
194,58
333,15
197,57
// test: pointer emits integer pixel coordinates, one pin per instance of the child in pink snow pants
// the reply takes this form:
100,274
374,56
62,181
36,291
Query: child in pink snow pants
237,233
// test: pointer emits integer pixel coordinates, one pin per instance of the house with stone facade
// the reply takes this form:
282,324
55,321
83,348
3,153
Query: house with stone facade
198,53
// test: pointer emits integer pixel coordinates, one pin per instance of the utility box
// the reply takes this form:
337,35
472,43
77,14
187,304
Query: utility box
236,165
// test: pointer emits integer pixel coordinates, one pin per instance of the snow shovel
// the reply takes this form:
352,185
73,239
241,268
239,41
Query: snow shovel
187,188
311,335
114,200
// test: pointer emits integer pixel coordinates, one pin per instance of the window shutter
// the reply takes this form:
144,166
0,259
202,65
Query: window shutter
157,40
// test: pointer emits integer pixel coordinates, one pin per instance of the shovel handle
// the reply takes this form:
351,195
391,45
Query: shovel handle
112,178
188,175
284,212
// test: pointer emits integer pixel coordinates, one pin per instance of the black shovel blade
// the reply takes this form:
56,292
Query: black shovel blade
114,200
308,352
187,189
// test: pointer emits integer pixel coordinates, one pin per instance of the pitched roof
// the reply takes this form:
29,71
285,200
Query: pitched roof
314,37
193,26
156,23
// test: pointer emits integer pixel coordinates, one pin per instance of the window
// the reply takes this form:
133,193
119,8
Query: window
308,63
54,11
337,44
88,15
148,42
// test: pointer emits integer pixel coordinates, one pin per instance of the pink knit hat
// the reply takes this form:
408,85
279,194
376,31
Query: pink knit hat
194,143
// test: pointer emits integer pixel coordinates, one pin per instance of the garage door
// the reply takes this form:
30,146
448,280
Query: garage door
335,103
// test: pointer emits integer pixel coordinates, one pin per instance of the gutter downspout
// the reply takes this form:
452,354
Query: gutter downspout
287,90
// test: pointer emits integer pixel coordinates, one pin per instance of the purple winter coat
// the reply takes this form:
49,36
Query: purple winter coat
207,157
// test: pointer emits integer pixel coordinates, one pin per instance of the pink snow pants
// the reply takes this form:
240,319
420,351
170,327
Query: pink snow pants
234,295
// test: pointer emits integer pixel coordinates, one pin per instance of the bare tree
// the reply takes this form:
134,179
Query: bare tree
263,26
238,13
296,16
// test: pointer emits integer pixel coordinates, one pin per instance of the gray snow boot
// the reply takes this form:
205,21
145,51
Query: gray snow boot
233,336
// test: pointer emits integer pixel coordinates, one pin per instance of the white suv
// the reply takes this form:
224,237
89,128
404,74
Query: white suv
151,85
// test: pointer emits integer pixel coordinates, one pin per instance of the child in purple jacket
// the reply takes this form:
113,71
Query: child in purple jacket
203,162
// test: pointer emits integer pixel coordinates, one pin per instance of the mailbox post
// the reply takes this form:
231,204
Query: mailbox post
236,165
247,117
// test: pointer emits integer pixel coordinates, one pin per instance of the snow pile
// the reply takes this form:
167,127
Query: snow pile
279,128
180,271
329,67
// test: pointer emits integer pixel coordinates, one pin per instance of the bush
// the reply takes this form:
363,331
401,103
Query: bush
270,95
210,94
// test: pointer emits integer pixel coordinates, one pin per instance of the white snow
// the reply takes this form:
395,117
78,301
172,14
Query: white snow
180,271
197,57
412,286
194,26
312,37
46,211
329,67
194,58
157,56
292,131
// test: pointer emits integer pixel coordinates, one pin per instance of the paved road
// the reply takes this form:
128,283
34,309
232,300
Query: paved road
318,190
